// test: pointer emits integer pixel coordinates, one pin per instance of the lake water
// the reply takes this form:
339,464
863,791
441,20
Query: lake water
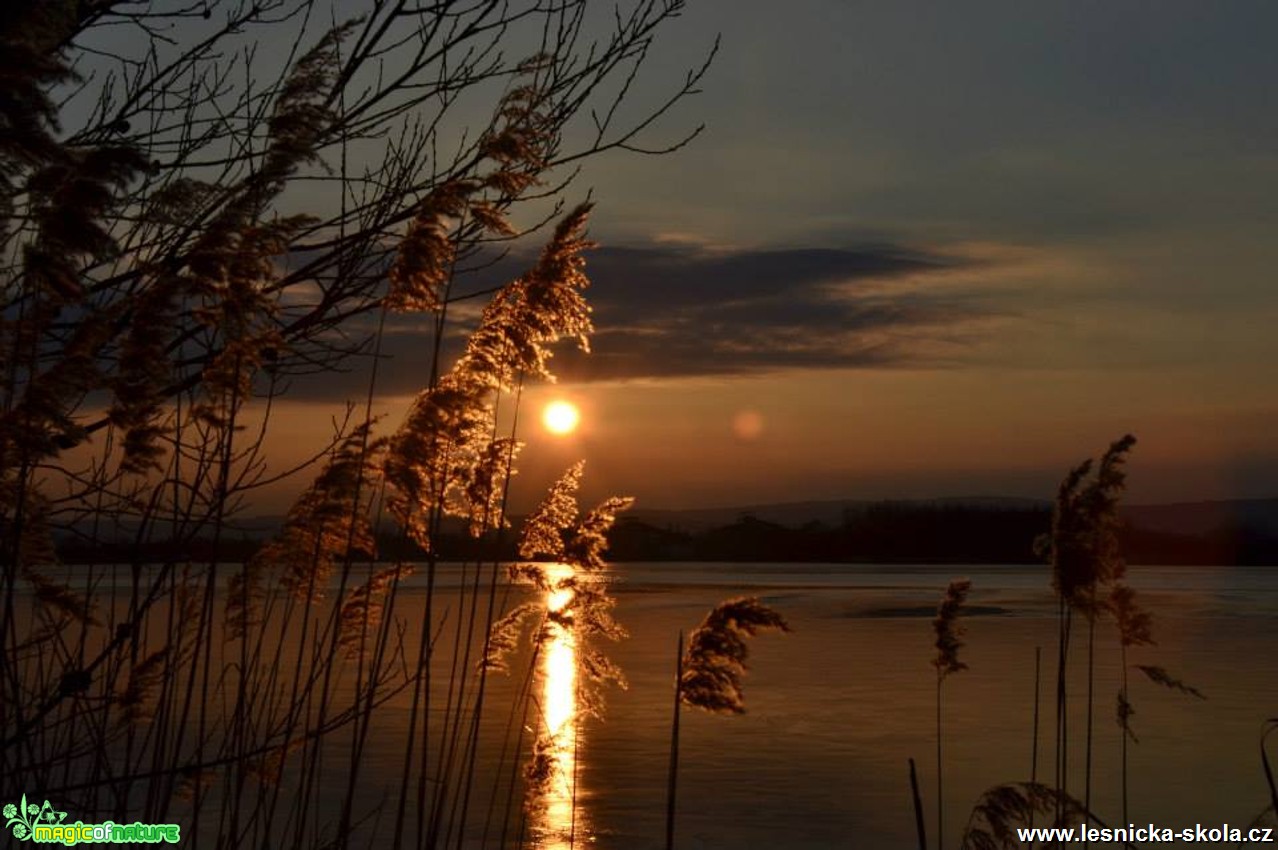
837,708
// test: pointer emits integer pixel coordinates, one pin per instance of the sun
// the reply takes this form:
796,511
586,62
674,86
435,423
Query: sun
560,417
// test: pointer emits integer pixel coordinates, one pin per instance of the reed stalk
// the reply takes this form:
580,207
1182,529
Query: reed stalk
1124,733
1038,666
919,826
1091,704
672,774
1267,729
710,671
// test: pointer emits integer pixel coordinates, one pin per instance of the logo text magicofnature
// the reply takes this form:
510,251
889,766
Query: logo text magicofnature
46,825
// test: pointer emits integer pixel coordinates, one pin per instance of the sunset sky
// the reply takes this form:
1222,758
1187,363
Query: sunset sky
927,249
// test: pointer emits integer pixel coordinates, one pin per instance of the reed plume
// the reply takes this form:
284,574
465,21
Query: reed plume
543,530
1123,713
35,550
530,574
27,111
948,631
517,144
589,608
325,526
527,316
714,662
542,767
69,196
482,494
520,139
192,781
1135,628
1003,808
1082,545
361,612
54,338
233,274
429,455
1160,676
585,549
268,769
143,371
41,423
504,636
588,615
137,701
585,606
424,259
245,592
59,597
1135,625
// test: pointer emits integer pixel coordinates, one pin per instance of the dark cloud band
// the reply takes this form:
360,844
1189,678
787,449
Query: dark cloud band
677,311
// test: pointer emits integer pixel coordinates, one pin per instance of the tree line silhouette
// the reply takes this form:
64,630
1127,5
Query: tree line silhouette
892,532
888,532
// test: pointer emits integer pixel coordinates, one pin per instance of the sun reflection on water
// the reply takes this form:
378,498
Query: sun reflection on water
559,825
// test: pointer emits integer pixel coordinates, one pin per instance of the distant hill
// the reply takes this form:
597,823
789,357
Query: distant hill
1258,515
790,514
959,530
980,529
798,514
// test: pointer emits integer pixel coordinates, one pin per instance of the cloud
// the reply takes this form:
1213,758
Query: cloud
672,309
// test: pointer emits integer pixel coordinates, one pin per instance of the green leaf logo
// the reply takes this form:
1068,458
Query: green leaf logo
23,816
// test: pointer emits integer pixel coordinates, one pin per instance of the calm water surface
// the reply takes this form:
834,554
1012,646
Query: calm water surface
837,708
